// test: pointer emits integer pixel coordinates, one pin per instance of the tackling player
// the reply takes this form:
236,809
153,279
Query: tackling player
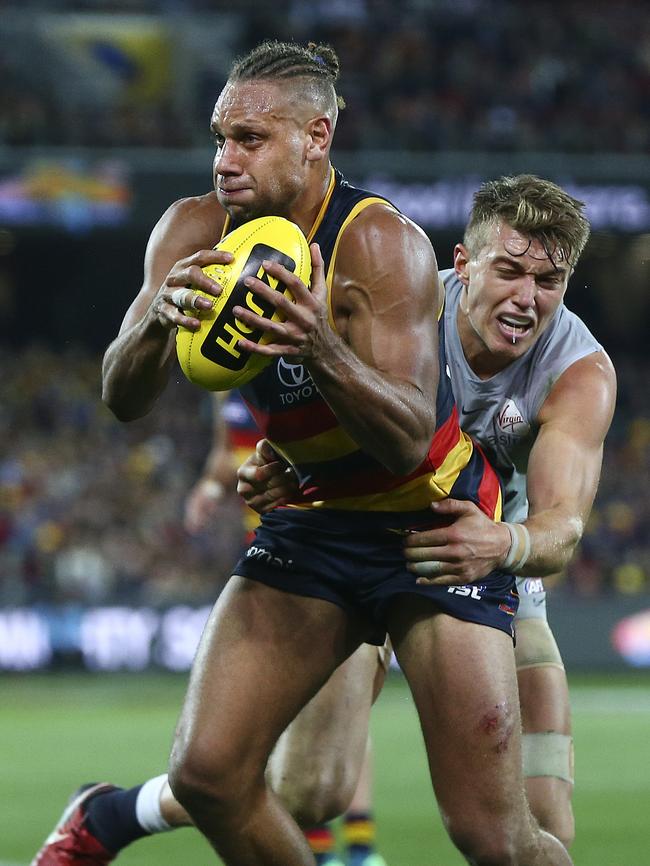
537,391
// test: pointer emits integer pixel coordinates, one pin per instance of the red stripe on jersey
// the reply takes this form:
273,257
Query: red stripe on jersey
489,487
379,479
444,440
374,481
293,424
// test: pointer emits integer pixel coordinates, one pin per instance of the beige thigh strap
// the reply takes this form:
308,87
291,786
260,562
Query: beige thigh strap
385,653
549,754
535,645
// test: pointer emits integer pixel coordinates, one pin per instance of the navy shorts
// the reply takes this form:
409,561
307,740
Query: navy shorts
356,560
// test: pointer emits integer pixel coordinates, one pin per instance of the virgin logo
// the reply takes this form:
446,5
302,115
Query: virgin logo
510,419
293,375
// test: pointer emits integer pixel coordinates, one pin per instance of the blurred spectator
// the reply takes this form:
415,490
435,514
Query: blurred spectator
615,550
427,76
90,509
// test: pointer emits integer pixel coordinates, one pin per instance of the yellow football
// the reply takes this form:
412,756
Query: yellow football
210,357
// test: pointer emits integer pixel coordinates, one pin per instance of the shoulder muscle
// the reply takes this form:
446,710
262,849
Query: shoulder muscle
187,226
583,398
384,253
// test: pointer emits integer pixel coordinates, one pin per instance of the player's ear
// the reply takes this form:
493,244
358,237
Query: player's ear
319,137
461,263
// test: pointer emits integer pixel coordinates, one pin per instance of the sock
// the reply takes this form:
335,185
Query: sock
358,832
147,806
321,841
111,818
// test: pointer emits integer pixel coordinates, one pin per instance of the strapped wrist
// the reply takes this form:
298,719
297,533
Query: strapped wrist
519,550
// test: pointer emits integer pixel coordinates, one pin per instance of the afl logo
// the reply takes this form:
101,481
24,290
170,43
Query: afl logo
293,375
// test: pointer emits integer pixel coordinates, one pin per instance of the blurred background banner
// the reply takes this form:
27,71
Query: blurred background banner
75,194
607,635
122,189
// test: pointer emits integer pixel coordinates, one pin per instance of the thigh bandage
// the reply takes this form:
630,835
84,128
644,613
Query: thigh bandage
535,646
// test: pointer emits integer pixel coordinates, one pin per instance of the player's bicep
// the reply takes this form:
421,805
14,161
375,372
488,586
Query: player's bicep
565,462
391,300
563,472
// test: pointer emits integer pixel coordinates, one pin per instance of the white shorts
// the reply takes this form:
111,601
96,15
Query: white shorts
532,598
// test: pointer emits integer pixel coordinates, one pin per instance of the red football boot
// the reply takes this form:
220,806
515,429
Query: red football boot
71,843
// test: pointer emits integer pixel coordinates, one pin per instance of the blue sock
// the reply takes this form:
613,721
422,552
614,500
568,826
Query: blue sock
111,818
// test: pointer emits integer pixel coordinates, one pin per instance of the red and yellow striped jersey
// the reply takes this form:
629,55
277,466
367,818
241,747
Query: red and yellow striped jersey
333,470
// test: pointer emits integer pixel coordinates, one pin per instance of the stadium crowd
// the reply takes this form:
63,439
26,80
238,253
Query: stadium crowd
464,75
92,510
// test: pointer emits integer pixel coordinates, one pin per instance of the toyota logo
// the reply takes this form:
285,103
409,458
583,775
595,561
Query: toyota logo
293,375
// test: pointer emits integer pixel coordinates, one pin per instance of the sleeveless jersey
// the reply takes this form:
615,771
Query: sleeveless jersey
501,412
333,471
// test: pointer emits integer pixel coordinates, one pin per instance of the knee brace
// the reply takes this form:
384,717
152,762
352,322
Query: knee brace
548,754
535,645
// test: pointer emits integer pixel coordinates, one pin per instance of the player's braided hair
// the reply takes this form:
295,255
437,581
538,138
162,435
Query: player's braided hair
533,206
288,60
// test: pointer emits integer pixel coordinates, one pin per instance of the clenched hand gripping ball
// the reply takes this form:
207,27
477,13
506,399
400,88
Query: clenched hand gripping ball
210,357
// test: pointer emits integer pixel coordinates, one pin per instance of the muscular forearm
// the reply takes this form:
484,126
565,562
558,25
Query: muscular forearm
554,536
565,461
470,545
136,368
391,420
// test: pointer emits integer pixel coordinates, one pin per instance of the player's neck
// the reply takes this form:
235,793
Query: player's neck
308,206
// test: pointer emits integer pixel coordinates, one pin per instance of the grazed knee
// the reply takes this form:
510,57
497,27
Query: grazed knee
496,726
495,828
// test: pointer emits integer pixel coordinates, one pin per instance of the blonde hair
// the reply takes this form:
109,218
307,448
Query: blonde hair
533,206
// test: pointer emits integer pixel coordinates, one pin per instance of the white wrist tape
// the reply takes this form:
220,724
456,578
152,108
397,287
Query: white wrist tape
519,547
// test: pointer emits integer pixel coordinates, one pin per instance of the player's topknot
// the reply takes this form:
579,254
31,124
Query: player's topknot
535,207
282,61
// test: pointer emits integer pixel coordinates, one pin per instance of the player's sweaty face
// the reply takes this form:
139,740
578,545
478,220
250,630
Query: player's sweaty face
515,287
259,164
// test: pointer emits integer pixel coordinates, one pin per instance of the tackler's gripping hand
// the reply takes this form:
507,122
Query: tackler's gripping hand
465,546
265,480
